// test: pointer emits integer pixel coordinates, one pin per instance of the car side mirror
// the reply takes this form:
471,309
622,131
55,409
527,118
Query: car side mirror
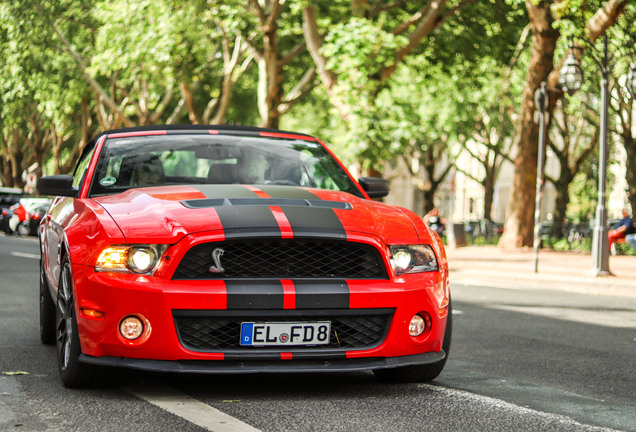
57,185
374,187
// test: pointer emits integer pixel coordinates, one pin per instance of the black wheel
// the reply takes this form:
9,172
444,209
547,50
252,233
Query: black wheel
23,229
72,371
47,311
421,373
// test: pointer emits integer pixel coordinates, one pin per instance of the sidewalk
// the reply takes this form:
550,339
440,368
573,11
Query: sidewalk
492,266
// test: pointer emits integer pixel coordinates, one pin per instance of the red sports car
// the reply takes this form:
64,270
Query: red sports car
225,249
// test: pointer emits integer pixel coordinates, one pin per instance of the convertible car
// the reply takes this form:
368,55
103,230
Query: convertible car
225,249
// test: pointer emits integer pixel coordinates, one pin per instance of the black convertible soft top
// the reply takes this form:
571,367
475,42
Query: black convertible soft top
189,127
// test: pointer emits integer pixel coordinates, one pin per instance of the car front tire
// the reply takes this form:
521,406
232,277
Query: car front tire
72,372
421,373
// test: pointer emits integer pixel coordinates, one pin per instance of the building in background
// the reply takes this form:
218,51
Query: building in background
461,199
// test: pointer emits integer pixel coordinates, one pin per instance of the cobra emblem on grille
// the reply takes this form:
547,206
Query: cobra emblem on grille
216,257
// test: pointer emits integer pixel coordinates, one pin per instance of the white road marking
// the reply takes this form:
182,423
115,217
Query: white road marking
25,255
466,398
189,408
211,419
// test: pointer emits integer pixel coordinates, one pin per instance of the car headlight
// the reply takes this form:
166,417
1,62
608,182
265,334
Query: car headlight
130,258
413,259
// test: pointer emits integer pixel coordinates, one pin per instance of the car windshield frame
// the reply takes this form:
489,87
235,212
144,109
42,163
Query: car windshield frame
126,162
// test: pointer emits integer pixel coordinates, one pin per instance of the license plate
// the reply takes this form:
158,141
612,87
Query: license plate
286,333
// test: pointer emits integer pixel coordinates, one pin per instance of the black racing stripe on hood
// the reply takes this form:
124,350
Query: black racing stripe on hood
254,295
311,221
322,295
253,219
242,211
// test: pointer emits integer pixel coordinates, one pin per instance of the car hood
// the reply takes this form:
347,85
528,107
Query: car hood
167,214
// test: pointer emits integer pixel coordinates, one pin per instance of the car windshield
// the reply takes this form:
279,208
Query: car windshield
177,159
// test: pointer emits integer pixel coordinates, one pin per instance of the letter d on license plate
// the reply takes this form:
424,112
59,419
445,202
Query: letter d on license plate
286,333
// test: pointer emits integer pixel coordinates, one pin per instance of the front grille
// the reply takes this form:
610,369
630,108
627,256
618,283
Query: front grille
221,331
282,259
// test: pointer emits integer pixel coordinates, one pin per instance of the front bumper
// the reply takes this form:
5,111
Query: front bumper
160,301
292,366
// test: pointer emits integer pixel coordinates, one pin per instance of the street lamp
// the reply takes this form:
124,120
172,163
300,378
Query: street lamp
571,75
571,79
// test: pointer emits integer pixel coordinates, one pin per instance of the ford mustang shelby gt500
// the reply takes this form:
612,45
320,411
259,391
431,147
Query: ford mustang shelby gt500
225,249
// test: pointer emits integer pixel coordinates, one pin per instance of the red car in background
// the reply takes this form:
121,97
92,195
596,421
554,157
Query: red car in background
22,217
221,249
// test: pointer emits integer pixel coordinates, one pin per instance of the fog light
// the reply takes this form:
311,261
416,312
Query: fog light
131,328
417,326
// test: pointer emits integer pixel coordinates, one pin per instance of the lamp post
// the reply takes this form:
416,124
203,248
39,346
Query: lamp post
571,79
541,102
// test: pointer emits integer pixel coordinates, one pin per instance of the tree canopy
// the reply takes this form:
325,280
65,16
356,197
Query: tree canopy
423,81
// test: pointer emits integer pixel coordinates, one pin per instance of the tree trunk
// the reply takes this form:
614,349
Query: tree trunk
270,94
562,199
274,79
626,110
518,230
188,97
5,172
429,199
630,149
39,143
15,158
489,193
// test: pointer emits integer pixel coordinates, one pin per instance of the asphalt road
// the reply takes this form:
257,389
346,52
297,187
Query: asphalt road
521,360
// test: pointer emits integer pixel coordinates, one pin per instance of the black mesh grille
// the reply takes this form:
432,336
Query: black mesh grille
283,259
349,330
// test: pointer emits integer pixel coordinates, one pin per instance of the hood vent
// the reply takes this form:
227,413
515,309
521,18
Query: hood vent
267,202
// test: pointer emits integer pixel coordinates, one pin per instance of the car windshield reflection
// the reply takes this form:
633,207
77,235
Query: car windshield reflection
142,161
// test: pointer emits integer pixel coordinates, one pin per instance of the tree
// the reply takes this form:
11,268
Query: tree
355,57
628,139
471,69
275,50
518,230
419,135
39,90
622,101
572,142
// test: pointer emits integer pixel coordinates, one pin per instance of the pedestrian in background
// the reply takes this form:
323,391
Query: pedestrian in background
621,229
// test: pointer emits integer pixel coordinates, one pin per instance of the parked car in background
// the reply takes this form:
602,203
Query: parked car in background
16,219
5,216
35,216
8,198
227,249
18,222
